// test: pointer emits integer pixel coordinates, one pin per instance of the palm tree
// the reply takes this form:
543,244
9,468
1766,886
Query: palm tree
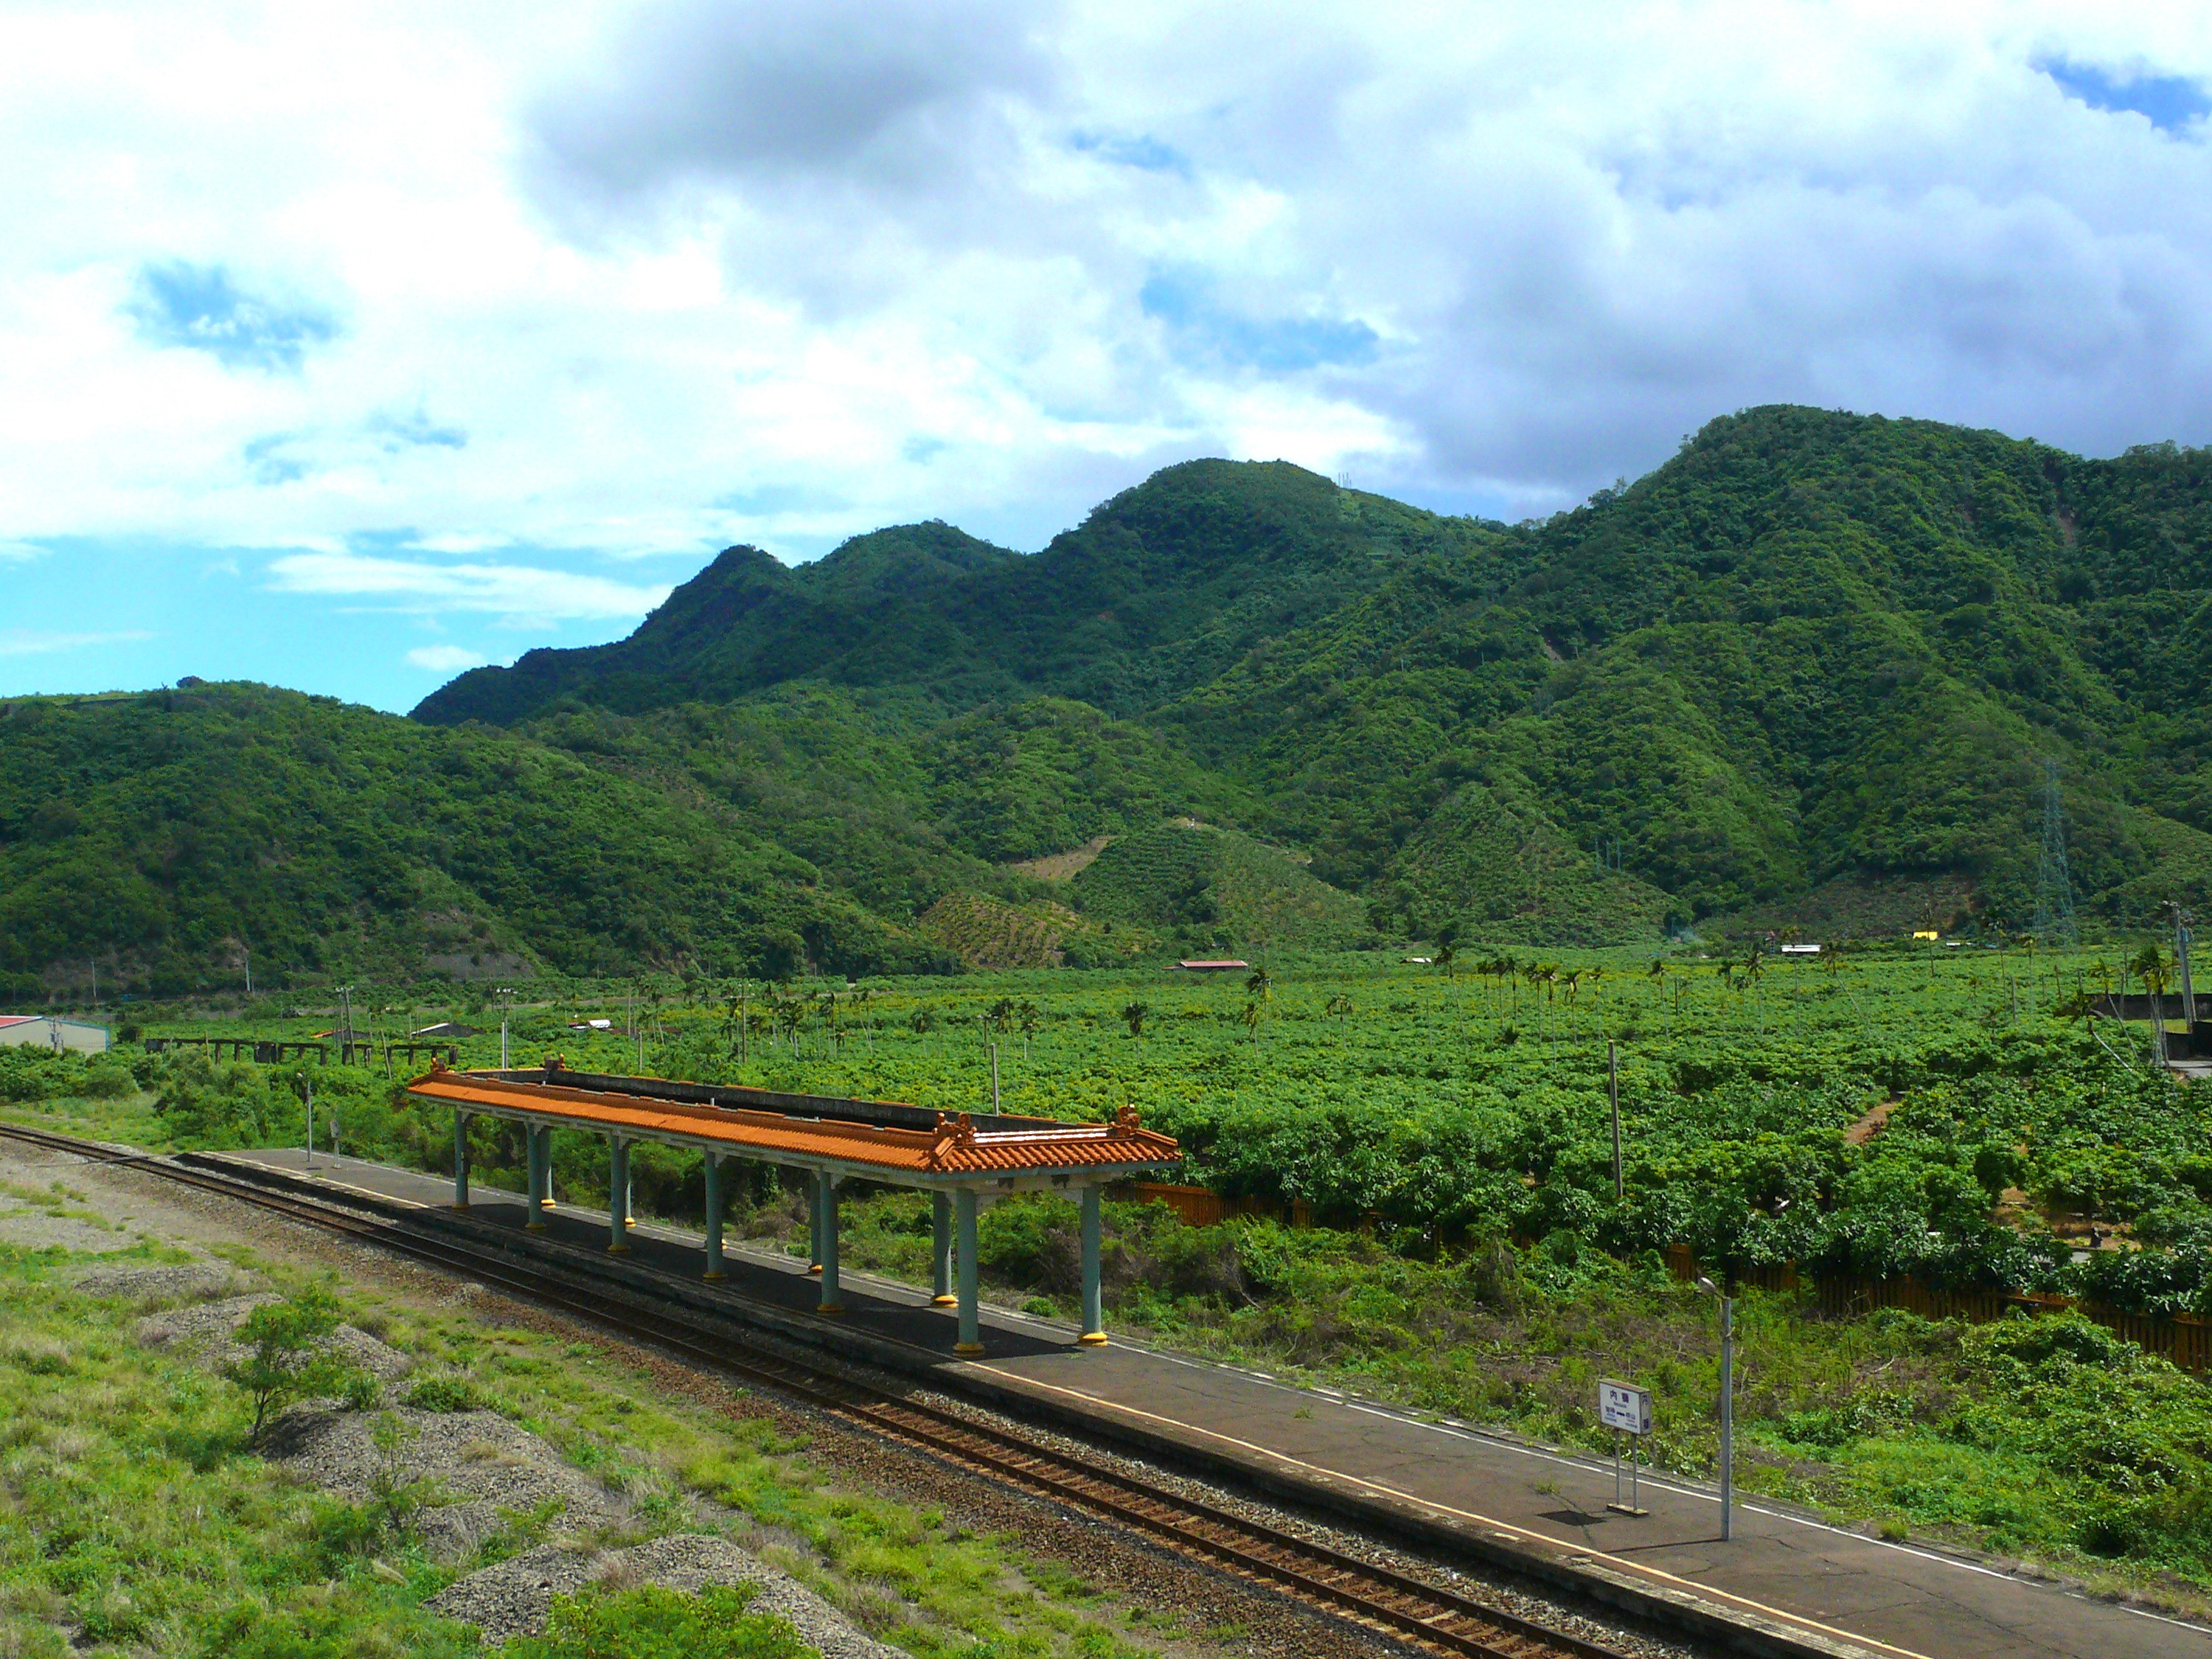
1251,1018
1029,1016
1134,1013
1340,1006
1447,959
1256,983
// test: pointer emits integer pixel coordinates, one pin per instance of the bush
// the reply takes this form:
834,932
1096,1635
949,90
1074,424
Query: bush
444,1394
653,1623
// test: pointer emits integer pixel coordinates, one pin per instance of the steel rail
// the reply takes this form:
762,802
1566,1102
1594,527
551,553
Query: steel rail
1314,1573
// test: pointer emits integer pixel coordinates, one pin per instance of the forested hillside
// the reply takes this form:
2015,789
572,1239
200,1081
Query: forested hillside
1816,662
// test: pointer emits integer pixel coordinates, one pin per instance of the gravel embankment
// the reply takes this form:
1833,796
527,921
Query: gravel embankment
514,1597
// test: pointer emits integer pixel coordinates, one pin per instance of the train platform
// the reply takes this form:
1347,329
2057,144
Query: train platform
1786,1583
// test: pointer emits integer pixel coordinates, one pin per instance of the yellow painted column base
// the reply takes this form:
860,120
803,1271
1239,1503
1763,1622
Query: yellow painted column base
533,1226
618,1249
1096,1339
968,1350
830,1308
945,1302
714,1278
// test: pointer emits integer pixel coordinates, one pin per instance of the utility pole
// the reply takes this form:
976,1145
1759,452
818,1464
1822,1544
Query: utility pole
1728,1406
506,1007
1612,1092
2181,962
995,1079
345,999
245,954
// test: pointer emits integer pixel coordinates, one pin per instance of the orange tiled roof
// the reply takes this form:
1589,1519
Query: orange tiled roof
955,1147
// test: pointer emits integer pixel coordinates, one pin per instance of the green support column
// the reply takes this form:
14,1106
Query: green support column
533,1157
940,1250
813,1222
972,1329
714,1216
830,1302
460,1160
1094,1311
617,1195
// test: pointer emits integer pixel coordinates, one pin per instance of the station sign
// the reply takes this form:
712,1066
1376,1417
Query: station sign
1624,1407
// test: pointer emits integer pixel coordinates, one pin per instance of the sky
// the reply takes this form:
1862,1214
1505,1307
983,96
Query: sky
348,346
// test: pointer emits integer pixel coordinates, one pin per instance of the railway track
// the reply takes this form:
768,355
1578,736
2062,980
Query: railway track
1405,1607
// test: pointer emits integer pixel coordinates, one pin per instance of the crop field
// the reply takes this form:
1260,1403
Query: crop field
1441,1130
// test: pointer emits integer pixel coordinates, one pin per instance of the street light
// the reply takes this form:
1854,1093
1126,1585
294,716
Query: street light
1728,1406
506,994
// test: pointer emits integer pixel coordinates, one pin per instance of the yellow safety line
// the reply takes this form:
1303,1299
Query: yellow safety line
1690,1584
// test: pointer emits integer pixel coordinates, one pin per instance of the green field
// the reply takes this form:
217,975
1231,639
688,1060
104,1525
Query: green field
1445,1126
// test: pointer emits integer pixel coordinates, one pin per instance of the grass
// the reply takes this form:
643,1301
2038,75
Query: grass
133,1516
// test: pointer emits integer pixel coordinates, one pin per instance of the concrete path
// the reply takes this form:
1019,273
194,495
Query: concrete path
1815,1587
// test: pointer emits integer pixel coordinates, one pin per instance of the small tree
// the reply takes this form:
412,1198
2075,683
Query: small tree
289,1355
1340,1006
1134,1013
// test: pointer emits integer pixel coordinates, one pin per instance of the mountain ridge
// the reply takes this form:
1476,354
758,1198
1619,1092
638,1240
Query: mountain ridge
1813,653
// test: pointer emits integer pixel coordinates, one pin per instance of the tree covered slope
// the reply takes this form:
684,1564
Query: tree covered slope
1813,655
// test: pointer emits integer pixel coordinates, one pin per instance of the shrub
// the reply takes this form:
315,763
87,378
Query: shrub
444,1394
288,1356
653,1623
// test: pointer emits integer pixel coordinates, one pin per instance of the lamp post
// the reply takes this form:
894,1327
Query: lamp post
1728,1406
506,1004
307,1083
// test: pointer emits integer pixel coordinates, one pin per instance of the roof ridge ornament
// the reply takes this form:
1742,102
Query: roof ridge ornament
555,1063
1125,1120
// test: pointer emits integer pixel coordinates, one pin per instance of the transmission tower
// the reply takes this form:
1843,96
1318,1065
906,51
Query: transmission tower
2054,888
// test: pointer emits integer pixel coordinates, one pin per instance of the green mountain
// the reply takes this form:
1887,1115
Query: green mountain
1204,887
1814,666
1159,590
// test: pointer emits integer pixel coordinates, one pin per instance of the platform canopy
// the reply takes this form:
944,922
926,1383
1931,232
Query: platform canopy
962,1159
884,1140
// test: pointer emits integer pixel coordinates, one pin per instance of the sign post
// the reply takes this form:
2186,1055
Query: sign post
1626,1410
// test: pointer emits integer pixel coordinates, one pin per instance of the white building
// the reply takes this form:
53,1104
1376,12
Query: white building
51,1031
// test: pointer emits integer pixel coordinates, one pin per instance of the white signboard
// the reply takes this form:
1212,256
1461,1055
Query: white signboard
1624,1405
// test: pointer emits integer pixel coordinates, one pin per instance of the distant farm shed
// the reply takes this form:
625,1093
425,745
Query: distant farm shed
1226,965
1800,949
47,1032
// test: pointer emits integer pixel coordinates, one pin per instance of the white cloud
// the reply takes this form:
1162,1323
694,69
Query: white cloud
446,658
21,642
620,279
21,550
506,590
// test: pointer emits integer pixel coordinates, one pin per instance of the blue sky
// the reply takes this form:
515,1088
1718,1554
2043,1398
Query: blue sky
347,346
